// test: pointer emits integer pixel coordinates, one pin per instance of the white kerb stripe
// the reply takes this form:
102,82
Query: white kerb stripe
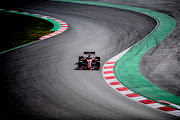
110,74
117,86
174,112
155,105
126,92
111,80
111,69
138,98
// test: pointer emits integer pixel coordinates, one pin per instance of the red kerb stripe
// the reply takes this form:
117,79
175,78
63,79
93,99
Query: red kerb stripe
147,101
55,33
108,67
60,30
63,26
114,83
110,77
132,95
166,108
122,89
107,72
42,37
110,62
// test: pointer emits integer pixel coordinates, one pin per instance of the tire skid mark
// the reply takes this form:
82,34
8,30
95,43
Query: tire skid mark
106,68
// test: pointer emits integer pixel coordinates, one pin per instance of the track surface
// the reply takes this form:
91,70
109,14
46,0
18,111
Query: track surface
161,64
38,81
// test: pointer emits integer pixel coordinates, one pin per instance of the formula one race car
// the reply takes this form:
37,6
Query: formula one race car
88,62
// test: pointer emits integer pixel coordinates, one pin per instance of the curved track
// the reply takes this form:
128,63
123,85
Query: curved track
39,81
160,65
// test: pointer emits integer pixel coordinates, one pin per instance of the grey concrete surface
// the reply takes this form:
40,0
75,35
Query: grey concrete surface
38,82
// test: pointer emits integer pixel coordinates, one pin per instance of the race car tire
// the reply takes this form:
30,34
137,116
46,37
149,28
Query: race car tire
80,63
98,63
98,58
80,57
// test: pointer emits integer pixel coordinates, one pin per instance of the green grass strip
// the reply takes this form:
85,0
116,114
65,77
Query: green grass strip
56,27
127,68
20,43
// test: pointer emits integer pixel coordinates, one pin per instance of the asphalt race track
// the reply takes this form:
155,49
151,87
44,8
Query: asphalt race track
161,64
38,82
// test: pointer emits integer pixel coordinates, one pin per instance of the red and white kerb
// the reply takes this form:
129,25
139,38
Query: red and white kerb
63,27
111,80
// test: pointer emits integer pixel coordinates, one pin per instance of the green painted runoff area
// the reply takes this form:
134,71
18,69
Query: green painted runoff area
127,68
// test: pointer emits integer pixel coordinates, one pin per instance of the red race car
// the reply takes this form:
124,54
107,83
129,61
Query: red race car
88,61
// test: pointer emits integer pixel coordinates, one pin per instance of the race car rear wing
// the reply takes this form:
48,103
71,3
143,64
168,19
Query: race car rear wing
87,53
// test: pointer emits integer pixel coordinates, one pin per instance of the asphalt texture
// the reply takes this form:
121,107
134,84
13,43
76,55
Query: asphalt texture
38,82
161,64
